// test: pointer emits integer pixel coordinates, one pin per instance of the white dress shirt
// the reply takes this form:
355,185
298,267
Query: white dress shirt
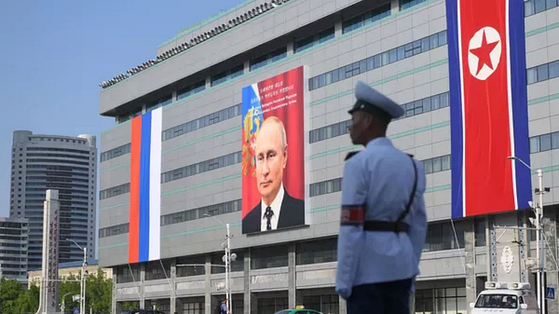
276,208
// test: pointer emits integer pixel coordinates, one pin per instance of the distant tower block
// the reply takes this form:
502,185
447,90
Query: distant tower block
48,301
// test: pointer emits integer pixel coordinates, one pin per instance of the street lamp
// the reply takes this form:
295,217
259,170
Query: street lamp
539,214
63,306
84,273
227,258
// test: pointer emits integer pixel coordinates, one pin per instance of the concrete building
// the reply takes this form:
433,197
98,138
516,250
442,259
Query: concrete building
64,163
68,269
398,46
13,248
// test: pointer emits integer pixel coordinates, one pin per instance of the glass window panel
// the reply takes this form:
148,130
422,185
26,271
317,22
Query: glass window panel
534,144
554,69
437,164
434,40
442,38
427,104
531,75
545,142
444,100
528,8
428,165
540,6
445,163
555,140
543,73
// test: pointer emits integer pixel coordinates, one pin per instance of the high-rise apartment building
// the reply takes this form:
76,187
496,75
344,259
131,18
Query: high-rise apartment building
13,248
64,163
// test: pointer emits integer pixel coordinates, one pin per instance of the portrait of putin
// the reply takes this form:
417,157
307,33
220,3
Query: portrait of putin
277,208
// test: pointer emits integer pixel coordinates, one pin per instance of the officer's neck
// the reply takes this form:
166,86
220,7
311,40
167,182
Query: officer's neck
373,136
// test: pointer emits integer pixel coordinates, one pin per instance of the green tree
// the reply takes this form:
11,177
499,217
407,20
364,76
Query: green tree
28,302
130,305
10,290
70,286
98,293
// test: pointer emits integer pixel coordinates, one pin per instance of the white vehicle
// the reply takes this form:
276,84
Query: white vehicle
506,298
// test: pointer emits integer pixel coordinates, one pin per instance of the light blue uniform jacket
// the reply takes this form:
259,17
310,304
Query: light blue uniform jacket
380,177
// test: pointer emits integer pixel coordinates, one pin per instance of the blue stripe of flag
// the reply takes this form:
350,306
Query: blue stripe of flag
144,187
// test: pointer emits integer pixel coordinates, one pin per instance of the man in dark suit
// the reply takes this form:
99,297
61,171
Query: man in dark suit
277,209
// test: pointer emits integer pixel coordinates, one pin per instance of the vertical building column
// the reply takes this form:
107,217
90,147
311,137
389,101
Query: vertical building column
550,245
291,277
290,48
470,260
394,6
491,236
173,298
142,286
246,285
113,300
338,29
208,288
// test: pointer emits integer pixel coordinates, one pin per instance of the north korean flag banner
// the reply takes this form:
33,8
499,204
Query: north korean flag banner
488,106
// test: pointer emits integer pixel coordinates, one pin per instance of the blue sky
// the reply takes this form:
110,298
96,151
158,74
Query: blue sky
55,53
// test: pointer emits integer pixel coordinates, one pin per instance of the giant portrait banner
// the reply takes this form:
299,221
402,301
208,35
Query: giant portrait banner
488,106
273,153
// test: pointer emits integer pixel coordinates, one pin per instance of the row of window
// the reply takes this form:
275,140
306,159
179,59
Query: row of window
57,167
431,165
114,230
314,40
379,60
544,142
436,164
60,161
203,166
57,155
532,7
114,191
115,152
406,4
190,126
542,72
202,122
412,108
366,18
440,236
268,58
228,75
198,213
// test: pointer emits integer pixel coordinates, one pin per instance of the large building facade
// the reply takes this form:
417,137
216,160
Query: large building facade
64,163
195,93
13,248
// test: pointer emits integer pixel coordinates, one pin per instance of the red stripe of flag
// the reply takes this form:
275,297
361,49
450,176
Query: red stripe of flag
134,227
487,131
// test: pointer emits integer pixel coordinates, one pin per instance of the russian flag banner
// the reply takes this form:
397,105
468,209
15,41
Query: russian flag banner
145,187
488,106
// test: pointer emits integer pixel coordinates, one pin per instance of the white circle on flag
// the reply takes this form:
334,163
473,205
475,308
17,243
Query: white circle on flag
484,53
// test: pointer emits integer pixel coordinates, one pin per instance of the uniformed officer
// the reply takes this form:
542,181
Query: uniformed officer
383,221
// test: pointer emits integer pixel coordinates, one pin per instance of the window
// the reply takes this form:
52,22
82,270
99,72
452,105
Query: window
193,125
113,230
237,265
329,303
314,40
228,75
154,270
128,273
443,236
269,257
542,72
269,58
436,164
115,152
532,7
544,142
204,166
320,251
451,300
424,301
197,213
191,90
191,266
479,229
366,18
114,191
325,187
379,60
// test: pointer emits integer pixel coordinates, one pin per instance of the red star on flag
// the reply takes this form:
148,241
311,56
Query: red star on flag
483,53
